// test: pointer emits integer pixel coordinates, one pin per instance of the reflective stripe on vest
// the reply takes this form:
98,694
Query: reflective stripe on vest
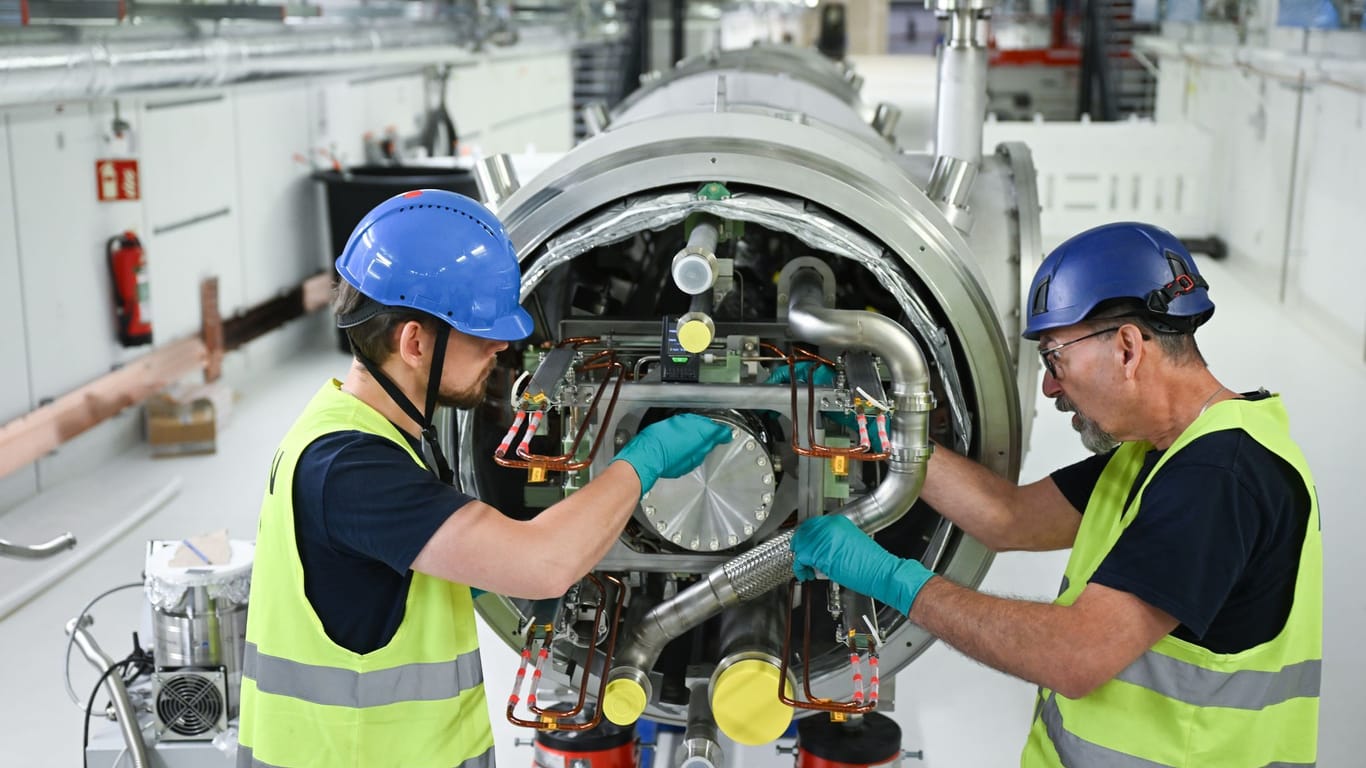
306,702
1242,689
347,688
245,759
1076,751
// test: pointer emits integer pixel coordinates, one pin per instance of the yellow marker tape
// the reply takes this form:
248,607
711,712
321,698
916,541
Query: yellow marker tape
839,465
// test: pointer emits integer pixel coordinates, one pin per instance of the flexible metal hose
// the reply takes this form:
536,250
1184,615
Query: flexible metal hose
768,566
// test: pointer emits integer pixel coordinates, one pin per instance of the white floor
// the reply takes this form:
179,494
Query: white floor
961,714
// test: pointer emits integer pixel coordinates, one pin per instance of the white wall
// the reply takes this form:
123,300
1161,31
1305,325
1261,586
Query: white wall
225,191
1287,163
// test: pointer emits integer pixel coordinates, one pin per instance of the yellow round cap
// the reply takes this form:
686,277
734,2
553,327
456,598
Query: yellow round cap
745,702
624,701
695,337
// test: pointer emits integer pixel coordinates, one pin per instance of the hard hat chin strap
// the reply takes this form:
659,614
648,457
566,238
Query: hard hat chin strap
431,445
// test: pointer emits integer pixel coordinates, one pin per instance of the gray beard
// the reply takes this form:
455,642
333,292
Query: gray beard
1095,439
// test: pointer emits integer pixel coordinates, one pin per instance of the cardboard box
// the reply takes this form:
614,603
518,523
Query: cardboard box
185,421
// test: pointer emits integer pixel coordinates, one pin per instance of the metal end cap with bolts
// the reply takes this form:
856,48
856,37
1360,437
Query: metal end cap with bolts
1126,260
441,253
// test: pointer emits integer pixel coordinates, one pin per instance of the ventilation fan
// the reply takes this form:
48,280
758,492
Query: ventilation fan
190,704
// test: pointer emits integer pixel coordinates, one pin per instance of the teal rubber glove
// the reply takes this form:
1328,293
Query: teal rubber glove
836,547
824,376
672,447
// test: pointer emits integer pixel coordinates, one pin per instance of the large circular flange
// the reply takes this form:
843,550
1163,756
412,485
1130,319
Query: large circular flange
719,505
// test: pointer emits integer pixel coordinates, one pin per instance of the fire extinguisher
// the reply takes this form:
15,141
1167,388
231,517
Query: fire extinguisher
128,272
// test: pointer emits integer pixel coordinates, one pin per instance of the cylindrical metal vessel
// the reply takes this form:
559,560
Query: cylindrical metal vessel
774,148
199,611
603,746
870,741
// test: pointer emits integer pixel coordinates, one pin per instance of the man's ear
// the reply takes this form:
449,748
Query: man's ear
412,343
1132,349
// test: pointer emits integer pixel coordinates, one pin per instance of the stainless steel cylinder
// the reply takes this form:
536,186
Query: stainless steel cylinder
202,631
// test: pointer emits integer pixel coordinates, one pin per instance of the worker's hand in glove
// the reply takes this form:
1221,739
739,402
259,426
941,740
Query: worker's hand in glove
824,375
672,447
837,548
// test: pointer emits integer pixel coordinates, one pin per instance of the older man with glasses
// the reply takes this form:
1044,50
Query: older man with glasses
1188,631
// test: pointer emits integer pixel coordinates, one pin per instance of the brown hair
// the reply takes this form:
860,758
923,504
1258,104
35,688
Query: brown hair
375,338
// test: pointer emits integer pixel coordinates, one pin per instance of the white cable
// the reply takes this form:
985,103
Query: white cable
71,639
878,404
872,631
513,396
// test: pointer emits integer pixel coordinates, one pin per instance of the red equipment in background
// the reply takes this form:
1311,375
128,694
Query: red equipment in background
128,273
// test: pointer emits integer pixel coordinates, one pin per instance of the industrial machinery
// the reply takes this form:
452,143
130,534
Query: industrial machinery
178,702
742,238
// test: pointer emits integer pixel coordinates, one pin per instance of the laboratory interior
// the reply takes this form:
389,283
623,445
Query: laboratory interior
822,225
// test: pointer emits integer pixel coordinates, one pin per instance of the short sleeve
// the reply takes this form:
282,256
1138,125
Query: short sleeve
1189,545
372,499
1077,481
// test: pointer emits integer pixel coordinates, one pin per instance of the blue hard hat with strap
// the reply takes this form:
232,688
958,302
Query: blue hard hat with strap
444,254
441,253
1126,260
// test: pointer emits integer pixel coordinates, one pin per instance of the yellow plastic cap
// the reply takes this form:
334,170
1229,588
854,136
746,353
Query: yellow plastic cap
695,337
624,701
745,703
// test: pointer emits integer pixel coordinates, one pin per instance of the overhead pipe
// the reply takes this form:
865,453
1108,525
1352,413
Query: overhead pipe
769,565
960,107
111,61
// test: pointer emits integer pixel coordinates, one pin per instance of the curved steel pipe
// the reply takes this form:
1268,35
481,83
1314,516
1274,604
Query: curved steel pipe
118,692
770,565
36,551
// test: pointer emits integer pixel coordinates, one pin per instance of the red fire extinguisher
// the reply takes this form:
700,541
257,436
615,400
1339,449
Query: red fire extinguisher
128,272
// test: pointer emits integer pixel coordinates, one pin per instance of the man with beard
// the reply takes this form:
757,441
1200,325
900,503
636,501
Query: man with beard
361,643
1188,631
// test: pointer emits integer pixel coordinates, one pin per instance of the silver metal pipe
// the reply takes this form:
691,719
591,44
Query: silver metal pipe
885,119
694,267
595,117
960,110
37,551
118,692
701,747
770,565
36,69
496,179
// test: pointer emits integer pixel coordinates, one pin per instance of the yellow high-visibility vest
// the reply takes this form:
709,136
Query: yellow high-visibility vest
1179,704
418,702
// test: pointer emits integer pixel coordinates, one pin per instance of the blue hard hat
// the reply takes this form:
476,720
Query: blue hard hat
1127,260
441,253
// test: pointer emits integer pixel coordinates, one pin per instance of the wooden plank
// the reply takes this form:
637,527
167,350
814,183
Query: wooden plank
211,325
34,435
318,291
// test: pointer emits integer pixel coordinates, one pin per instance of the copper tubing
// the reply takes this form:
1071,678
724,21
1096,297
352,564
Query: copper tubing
858,452
555,720
566,462
813,701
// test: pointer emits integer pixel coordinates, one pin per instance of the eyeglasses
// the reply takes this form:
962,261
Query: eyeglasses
1050,355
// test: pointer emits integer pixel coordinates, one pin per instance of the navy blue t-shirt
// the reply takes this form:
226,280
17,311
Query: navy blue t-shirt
1217,540
363,510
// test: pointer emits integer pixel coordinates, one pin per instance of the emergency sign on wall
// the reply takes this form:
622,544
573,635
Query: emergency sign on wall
116,180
